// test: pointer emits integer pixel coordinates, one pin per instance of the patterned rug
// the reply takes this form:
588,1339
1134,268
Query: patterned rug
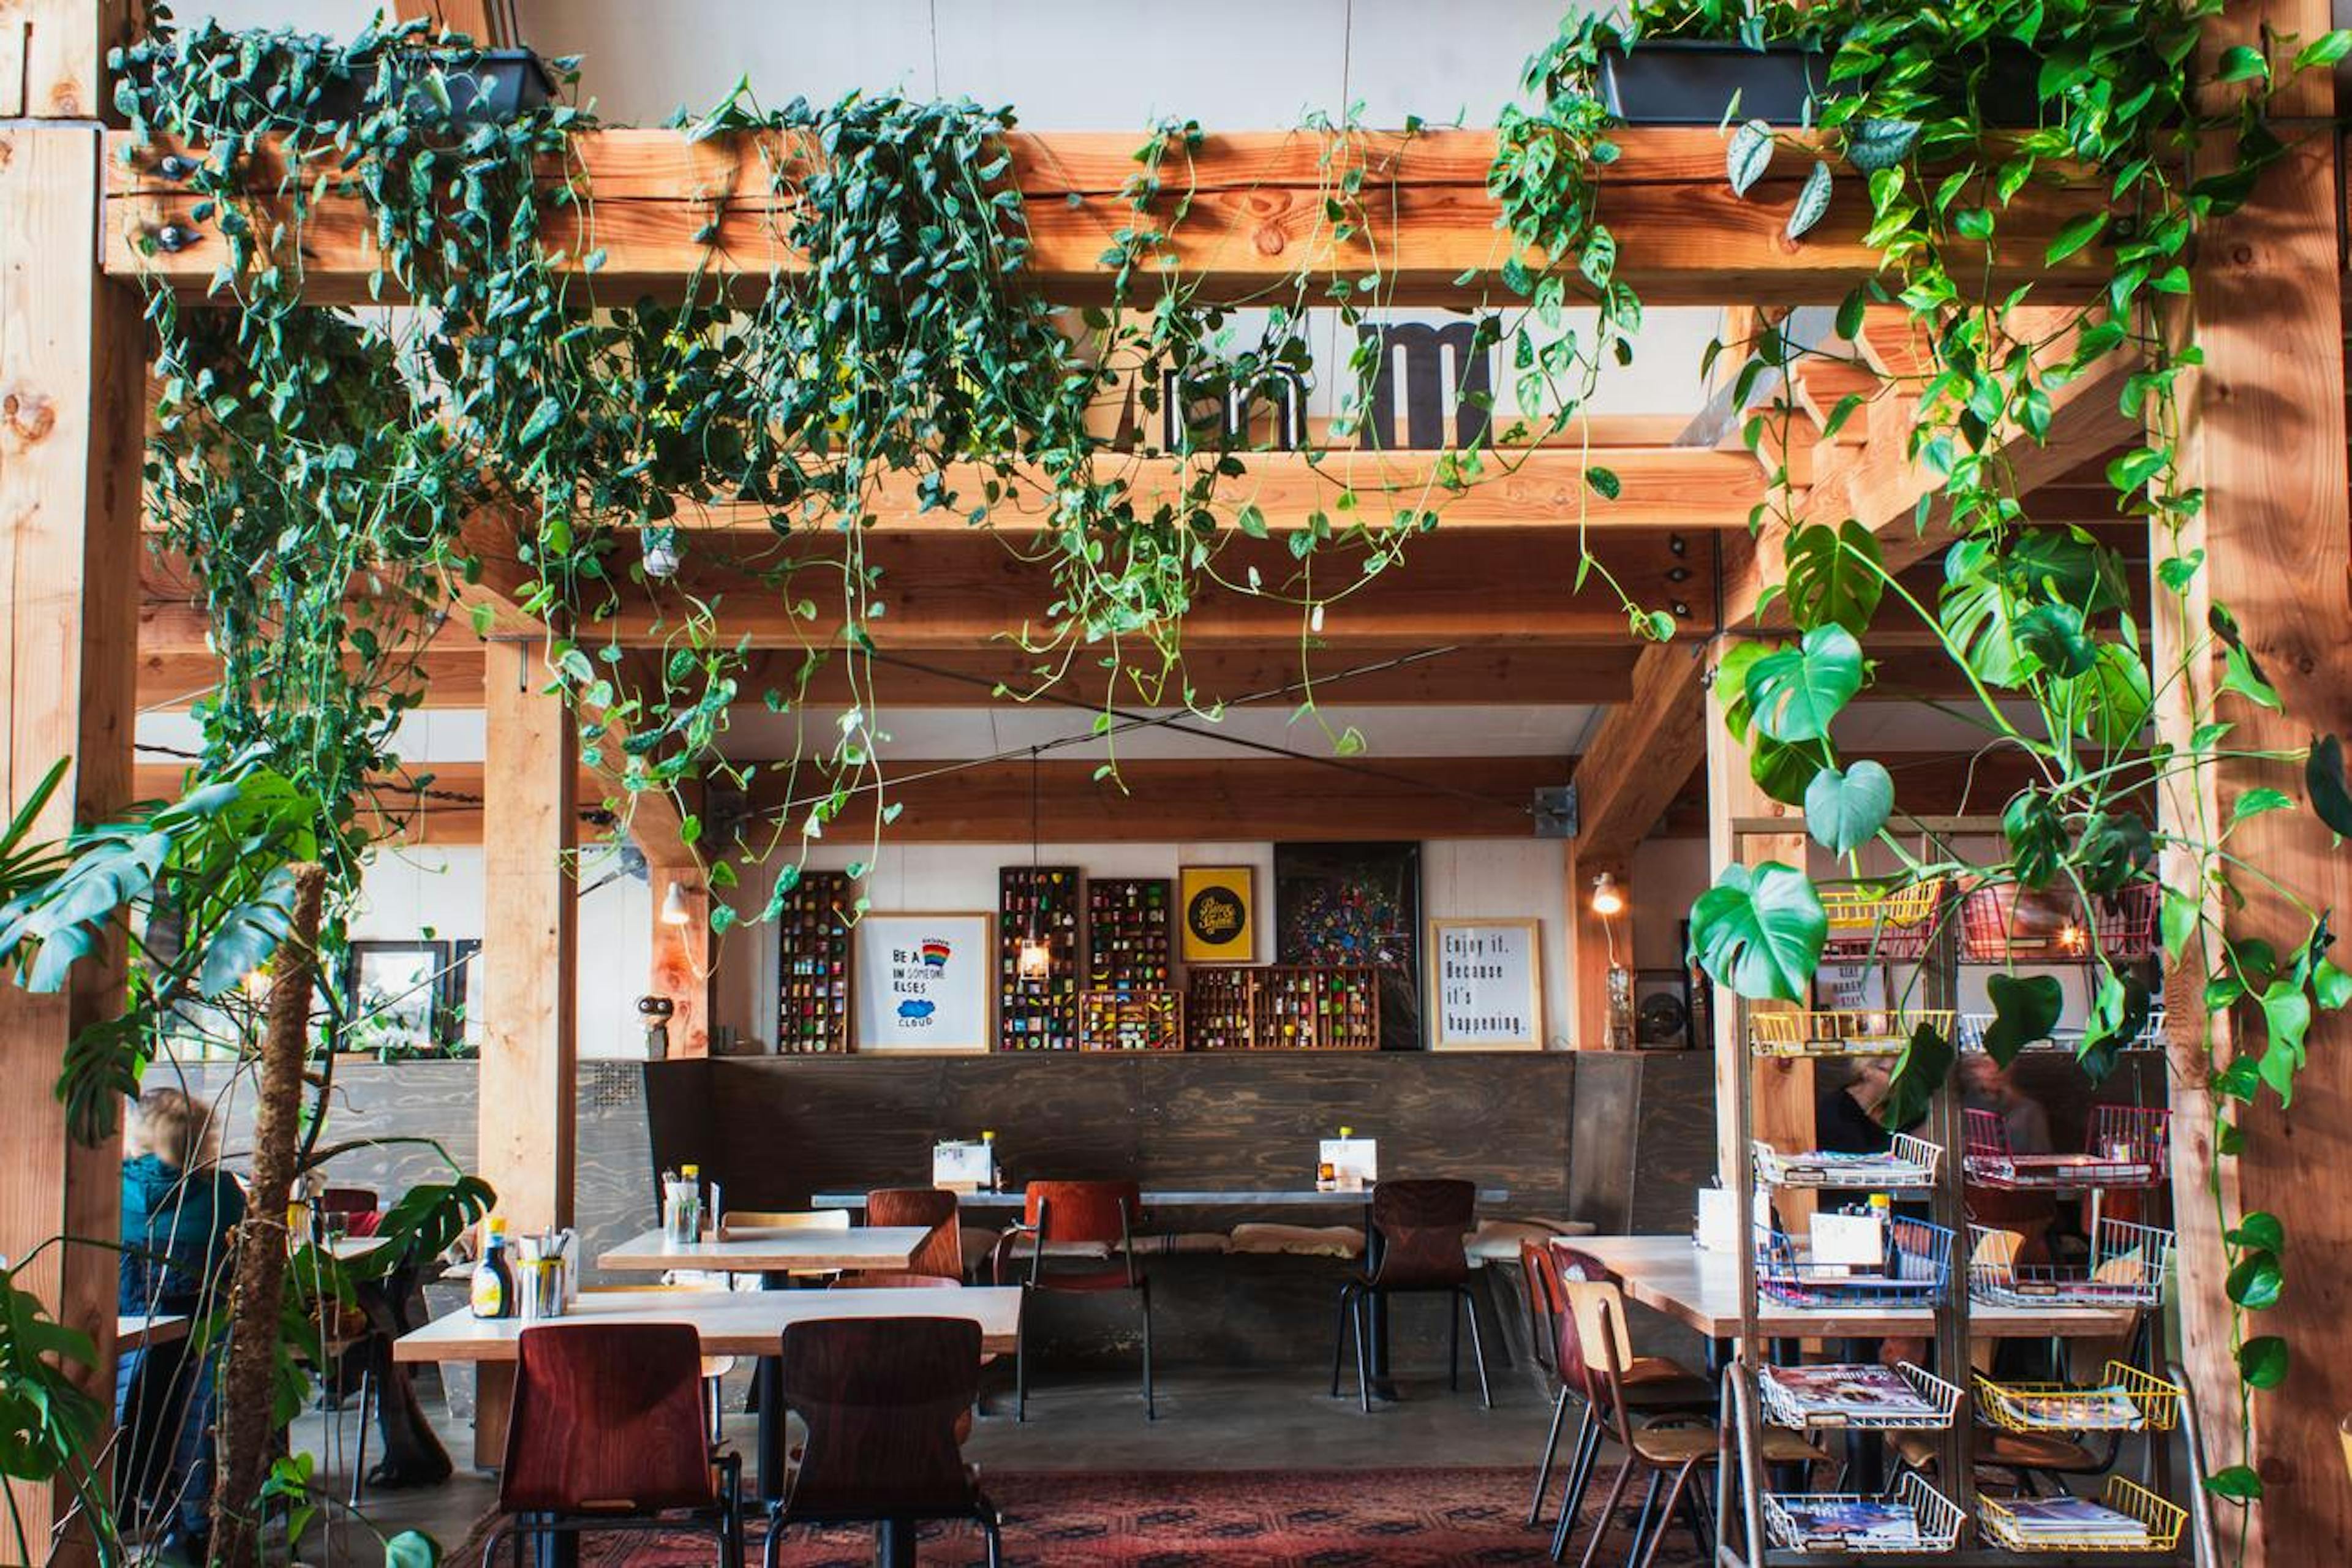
1305,1519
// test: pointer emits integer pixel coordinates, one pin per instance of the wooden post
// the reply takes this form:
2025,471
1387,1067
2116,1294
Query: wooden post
71,380
529,941
1592,944
2266,441
681,961
53,56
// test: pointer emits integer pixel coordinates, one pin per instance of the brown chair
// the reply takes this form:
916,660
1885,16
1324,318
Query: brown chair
878,1279
1654,1385
1085,1229
934,1209
881,1400
606,1433
1417,1228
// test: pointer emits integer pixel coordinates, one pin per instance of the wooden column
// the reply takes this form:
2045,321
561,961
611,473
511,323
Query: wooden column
682,956
529,941
2267,444
71,380
53,56
1783,1104
1590,941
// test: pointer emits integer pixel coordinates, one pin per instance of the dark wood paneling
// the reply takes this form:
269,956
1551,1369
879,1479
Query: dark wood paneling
1600,1144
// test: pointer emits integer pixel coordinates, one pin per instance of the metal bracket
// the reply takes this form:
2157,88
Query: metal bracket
1555,812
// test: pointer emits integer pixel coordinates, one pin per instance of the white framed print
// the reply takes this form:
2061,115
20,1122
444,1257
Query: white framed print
1486,985
923,983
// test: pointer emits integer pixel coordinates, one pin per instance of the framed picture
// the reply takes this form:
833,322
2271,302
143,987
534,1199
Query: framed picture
1486,985
392,997
1662,1017
1356,905
1217,907
923,983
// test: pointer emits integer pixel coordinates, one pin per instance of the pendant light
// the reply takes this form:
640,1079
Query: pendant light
1035,961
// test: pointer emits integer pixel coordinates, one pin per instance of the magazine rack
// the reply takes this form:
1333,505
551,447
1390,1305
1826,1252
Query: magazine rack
1759,1528
1910,1164
1789,1402
2150,1038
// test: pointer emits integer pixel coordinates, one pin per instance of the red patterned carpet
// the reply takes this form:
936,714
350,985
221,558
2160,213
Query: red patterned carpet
1311,1519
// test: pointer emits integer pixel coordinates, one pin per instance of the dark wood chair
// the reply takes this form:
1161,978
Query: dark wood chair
1417,1229
885,1403
606,1433
1085,1230
931,1207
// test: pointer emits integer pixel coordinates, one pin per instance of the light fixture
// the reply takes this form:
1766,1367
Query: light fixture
1035,960
2070,937
675,910
1608,897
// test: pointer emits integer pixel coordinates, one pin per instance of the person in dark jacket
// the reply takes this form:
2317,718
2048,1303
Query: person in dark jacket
179,1215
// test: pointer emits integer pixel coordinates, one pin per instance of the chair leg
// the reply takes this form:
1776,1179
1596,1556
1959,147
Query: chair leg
1339,1334
1363,1360
1551,1447
1665,1514
1453,1343
1697,1515
490,1546
1469,1304
1649,1511
1600,1524
1021,1363
1150,1411
775,1541
995,1539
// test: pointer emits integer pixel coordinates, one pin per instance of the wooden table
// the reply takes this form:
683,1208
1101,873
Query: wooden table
1702,1289
137,1331
890,1247
1175,1197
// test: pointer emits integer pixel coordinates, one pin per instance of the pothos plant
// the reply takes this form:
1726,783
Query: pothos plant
2039,619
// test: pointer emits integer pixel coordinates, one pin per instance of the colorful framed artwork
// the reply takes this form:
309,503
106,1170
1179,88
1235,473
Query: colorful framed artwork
1217,908
1349,906
923,983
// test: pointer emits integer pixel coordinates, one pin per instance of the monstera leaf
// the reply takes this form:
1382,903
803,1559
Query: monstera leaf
1793,693
2025,1009
1845,809
1760,931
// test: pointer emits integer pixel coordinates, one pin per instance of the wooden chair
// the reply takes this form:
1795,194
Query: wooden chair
1419,1227
935,1209
1086,1226
607,1434
1653,1384
1661,1447
715,1368
883,1404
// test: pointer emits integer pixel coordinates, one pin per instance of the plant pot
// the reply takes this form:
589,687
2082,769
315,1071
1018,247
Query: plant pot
1692,81
502,85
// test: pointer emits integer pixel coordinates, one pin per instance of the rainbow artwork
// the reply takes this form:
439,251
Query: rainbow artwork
935,954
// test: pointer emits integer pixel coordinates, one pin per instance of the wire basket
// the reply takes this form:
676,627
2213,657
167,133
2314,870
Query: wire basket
1921,1272
2127,1268
2126,1146
2125,1399
1874,923
1861,1398
2003,923
1839,1031
2005,1520
2150,1038
1908,1162
1811,1522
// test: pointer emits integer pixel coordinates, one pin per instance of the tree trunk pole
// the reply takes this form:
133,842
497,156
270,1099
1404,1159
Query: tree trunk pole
257,1292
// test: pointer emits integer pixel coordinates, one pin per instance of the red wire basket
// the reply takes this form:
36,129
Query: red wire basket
2125,1146
2003,923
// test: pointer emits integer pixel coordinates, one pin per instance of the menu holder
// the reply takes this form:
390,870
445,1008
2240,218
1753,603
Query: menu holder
1355,1162
814,1003
963,1164
1039,903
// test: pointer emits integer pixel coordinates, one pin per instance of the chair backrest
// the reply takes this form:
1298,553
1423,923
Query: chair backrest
932,1207
1085,1212
349,1200
880,1399
607,1417
1421,1225
1544,1307
1596,1312
740,1220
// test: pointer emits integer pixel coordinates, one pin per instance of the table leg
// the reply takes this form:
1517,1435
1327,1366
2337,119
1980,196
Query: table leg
769,1443
894,1543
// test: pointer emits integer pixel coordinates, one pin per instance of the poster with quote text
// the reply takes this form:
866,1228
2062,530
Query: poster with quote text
1485,985
923,983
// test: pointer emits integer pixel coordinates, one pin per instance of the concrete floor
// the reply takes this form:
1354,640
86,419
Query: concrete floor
1209,1420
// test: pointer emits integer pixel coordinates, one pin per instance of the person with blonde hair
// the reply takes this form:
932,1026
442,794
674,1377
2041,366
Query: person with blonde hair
180,1212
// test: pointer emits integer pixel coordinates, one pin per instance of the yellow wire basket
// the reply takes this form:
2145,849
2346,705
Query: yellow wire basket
2005,1520
1869,921
1840,1031
2125,1399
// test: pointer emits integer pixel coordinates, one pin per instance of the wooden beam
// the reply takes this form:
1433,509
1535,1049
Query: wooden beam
1641,754
53,56
668,207
529,948
683,959
484,21
70,348
170,678
2267,436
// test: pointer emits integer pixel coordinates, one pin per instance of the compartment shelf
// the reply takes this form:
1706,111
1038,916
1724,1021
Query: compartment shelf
2127,1268
1908,1164
1871,1526
1921,1273
2126,1146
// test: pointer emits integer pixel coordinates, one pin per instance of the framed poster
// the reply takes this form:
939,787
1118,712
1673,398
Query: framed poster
923,983
1217,906
1356,905
1486,980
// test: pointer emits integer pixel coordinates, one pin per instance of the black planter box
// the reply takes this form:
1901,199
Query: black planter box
1691,82
502,85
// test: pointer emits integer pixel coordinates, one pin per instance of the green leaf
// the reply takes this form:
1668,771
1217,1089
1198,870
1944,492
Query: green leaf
1834,576
2256,1282
1795,693
411,1549
1876,144
1750,155
2256,802
2330,987
2323,779
2025,1009
1845,810
2111,700
2054,634
1812,200
2178,922
1759,932
1922,1069
2324,50
2077,233
2036,834
2262,1362
2240,63
1251,520
2262,1229
2237,1482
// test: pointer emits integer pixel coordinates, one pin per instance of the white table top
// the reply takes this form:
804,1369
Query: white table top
137,1331
1702,1289
731,1323
765,1251
1175,1197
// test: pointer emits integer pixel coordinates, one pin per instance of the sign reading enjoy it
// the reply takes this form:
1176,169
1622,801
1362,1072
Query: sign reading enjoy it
1485,984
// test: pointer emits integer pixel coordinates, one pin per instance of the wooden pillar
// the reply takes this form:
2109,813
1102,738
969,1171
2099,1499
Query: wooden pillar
2266,442
53,56
1783,1102
71,382
1592,942
529,940
681,958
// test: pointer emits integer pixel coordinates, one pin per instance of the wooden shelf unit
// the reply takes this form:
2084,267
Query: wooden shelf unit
1134,1020
815,1003
1038,1014
1129,933
1284,1007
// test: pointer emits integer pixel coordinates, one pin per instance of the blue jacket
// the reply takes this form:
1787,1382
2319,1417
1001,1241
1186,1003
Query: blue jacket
174,1235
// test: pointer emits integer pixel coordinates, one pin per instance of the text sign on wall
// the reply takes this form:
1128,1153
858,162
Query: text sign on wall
922,982
1486,978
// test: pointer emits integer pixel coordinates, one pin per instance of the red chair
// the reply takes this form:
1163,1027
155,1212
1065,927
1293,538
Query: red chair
934,1209
607,1434
886,1403
1419,1229
1086,1226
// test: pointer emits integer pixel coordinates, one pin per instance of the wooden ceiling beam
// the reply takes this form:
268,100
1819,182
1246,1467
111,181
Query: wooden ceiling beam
668,207
1641,754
